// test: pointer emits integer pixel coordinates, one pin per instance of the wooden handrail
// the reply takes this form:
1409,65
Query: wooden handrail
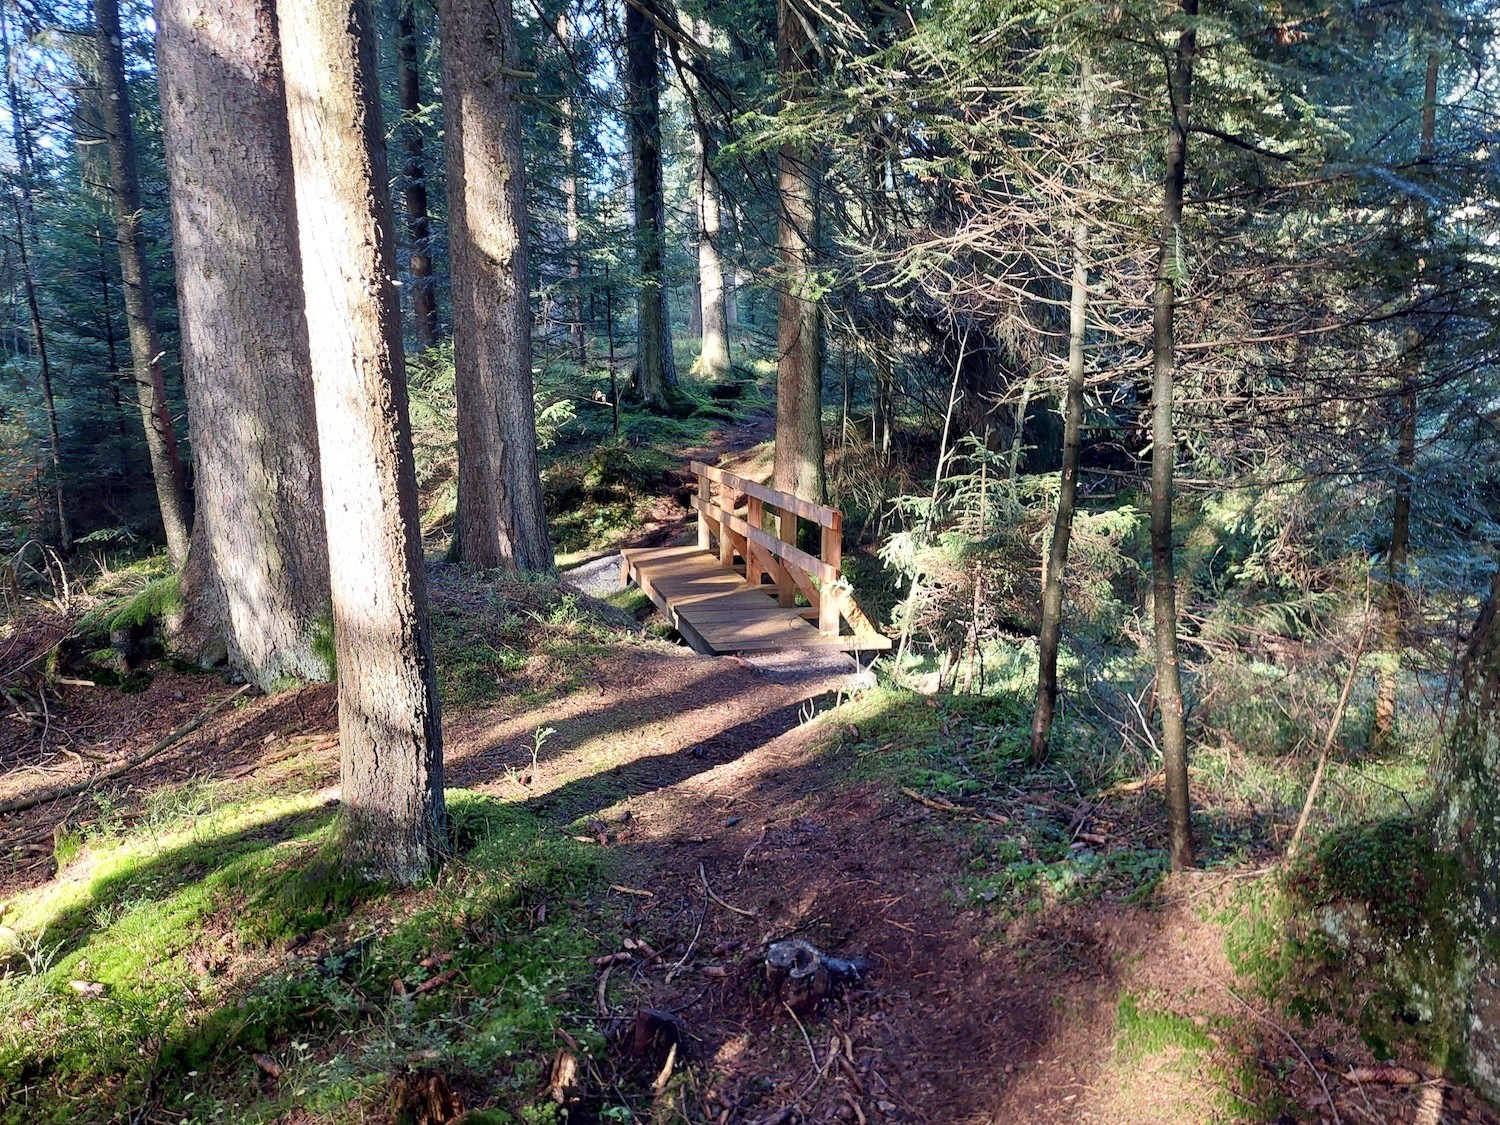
777,555
763,539
820,514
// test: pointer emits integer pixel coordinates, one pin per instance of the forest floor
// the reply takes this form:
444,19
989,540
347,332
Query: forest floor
636,823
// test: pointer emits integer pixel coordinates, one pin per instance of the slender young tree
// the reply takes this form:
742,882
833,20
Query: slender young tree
390,735
140,314
799,333
25,215
263,585
655,376
1049,635
567,140
1164,445
500,517
424,310
1397,557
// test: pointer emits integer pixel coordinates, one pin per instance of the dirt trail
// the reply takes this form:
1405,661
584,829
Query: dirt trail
718,784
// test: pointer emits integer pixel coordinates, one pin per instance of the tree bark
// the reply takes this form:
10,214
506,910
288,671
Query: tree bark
1049,635
713,354
44,365
107,319
655,376
799,336
140,313
568,142
1467,826
391,758
25,209
500,518
245,361
1383,727
424,311
1164,450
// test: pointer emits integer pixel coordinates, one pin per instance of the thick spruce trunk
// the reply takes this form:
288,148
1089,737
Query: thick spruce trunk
799,332
424,311
713,319
500,518
1468,826
390,734
1164,453
263,585
140,313
713,358
655,376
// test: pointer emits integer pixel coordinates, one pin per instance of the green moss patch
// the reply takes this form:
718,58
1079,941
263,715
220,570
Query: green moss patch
164,958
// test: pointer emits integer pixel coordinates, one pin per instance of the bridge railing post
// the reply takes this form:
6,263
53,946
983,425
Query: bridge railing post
786,531
833,554
703,540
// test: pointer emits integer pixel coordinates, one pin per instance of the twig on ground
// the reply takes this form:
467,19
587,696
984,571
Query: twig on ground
1287,1035
17,804
811,1050
603,985
702,917
744,859
726,905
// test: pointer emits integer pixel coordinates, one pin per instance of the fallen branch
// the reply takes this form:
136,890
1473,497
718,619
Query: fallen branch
1333,733
726,905
1287,1035
937,804
17,804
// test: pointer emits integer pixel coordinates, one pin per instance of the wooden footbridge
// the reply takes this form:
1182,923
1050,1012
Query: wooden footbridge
739,588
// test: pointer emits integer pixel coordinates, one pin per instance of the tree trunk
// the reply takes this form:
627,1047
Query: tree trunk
500,518
799,336
390,734
25,209
568,142
1049,636
1467,825
49,403
414,172
263,584
655,376
107,318
1384,725
1164,453
145,342
713,355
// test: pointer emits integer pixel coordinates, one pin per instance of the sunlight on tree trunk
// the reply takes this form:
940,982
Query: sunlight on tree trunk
390,735
1164,452
567,140
500,518
140,312
655,377
263,585
1049,635
799,332
713,356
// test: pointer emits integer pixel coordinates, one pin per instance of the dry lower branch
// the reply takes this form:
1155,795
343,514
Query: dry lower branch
30,801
